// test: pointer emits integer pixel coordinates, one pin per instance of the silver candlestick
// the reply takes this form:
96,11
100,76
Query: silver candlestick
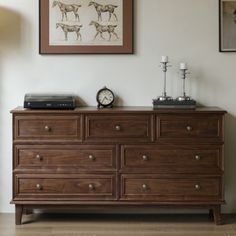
164,65
184,73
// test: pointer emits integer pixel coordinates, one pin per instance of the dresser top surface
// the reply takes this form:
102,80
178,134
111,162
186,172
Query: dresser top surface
130,109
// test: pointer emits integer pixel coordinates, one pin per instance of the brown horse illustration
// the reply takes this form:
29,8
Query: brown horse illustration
104,8
110,29
65,8
70,28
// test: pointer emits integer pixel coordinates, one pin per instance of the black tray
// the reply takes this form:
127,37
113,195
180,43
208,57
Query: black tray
174,104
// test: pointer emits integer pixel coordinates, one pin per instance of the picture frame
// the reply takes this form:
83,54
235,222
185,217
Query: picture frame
86,27
227,25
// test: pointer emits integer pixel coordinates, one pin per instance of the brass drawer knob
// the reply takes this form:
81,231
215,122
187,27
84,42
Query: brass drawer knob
118,128
91,187
144,187
39,158
145,158
47,128
197,157
39,186
189,128
197,187
92,158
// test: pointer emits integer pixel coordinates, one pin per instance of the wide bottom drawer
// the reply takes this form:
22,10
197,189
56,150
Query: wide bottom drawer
63,187
159,188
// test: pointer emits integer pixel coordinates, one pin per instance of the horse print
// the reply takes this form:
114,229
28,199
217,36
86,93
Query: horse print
110,29
86,22
65,8
70,28
104,8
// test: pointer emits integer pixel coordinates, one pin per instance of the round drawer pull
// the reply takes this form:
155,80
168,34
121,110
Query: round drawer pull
91,187
47,128
144,187
189,128
118,128
145,158
92,158
197,187
39,187
197,157
39,158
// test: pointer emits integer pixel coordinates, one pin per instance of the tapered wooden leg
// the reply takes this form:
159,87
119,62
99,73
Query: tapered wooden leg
217,215
18,214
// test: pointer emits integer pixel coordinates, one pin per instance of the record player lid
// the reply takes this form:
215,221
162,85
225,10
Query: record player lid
33,97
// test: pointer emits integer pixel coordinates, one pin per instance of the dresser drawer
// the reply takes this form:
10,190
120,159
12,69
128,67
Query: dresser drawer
190,127
157,188
47,127
44,187
89,157
118,128
162,159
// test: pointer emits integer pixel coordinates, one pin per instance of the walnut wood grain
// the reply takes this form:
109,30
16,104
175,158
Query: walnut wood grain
18,214
90,157
117,128
217,215
47,127
65,187
171,158
190,127
123,109
125,156
157,188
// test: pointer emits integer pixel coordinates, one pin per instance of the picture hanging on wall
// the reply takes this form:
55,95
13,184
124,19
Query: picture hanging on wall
227,25
85,26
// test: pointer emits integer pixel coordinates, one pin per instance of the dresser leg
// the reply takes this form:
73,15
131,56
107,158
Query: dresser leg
217,215
18,214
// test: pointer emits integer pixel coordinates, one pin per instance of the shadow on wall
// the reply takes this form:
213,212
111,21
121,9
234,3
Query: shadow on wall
10,38
230,162
10,29
10,41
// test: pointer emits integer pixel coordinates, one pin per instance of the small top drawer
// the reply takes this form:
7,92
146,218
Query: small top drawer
118,128
184,126
47,127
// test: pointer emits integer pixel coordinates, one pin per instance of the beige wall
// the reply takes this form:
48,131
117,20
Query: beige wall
186,30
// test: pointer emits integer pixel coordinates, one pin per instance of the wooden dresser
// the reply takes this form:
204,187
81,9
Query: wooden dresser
122,157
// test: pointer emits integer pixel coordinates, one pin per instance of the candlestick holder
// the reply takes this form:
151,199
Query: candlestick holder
184,97
164,66
166,102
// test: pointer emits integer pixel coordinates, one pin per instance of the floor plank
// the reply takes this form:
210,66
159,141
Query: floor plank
114,225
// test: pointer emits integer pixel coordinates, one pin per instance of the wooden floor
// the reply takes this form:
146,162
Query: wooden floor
116,225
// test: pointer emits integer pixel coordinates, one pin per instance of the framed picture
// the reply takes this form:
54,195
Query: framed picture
85,26
227,25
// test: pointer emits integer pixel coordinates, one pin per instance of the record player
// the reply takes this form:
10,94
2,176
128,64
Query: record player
49,101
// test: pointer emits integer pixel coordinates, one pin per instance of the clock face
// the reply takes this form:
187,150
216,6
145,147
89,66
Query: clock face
105,97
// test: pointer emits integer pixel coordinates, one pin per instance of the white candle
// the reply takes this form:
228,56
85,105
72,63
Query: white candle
164,59
183,66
